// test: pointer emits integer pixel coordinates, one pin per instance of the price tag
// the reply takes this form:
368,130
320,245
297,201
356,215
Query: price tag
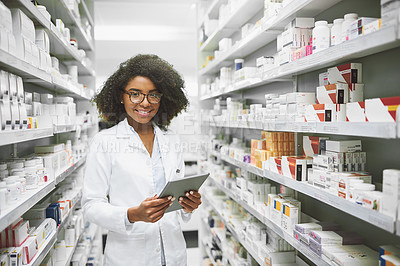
330,128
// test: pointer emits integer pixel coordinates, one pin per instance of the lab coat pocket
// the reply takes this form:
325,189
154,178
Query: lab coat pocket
125,250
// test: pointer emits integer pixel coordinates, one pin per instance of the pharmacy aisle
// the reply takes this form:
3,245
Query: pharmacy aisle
46,82
300,109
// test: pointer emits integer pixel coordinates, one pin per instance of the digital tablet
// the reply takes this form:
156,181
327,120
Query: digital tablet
178,188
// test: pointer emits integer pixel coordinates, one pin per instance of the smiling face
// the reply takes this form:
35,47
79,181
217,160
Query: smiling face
143,112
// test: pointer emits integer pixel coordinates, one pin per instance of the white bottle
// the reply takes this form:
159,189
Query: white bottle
22,180
31,178
3,196
12,195
348,19
18,184
336,31
321,36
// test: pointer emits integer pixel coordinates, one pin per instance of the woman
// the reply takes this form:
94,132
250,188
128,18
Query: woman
129,164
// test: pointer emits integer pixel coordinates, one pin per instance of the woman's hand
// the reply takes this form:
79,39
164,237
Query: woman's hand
191,201
150,210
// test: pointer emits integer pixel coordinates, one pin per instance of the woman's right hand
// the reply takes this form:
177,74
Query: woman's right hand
150,210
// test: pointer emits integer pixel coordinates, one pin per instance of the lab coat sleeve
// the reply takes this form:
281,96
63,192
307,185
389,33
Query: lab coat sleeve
96,207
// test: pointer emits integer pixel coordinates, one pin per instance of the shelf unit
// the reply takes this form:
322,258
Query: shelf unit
32,197
371,216
267,32
385,130
250,250
379,41
59,48
277,229
59,9
46,246
208,251
16,136
239,16
373,50
61,177
36,76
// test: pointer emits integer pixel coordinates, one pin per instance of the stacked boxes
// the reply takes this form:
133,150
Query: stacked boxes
294,42
7,39
272,144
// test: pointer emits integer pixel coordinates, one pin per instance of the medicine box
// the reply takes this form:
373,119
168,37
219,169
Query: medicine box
382,109
347,73
301,23
301,97
355,112
50,148
372,26
360,22
342,145
22,25
30,249
290,217
295,167
20,233
16,256
391,191
355,258
311,145
333,94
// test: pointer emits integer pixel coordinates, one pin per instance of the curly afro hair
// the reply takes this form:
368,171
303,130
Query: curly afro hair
165,78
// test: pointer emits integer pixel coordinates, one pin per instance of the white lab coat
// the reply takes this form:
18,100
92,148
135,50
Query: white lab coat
118,165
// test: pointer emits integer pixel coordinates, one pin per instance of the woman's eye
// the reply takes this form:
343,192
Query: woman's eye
135,94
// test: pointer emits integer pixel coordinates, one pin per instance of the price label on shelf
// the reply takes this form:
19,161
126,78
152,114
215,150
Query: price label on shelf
330,128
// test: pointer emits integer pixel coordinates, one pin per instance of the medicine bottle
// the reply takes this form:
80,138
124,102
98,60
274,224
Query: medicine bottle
42,177
336,31
12,190
321,36
348,19
31,178
22,180
3,195
239,64
18,184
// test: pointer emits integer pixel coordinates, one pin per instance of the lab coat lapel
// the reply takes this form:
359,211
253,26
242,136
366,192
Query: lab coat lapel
163,142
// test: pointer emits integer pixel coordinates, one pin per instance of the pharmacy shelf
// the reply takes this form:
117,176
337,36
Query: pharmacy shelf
30,10
69,215
15,65
59,9
277,229
61,177
379,41
371,216
59,48
31,74
376,42
17,136
64,129
70,253
212,11
268,31
243,12
385,130
233,231
208,251
31,197
46,246
83,7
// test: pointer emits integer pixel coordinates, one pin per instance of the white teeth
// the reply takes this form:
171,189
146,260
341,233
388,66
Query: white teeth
143,112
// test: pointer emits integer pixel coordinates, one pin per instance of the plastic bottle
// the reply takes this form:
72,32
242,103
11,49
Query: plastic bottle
3,195
22,180
18,184
321,36
42,177
336,31
239,64
348,19
12,192
31,177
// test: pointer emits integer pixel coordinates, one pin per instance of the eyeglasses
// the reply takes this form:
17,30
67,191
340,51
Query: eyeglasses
137,97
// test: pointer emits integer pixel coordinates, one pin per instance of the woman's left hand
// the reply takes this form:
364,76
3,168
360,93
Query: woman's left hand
191,201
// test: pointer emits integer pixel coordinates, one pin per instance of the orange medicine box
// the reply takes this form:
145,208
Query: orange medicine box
333,93
295,167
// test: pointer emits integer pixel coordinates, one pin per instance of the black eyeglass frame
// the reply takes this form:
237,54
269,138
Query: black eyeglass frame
143,95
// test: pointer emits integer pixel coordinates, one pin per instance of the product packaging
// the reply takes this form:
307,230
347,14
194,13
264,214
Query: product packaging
347,73
294,167
391,192
341,145
333,93
311,145
16,256
382,109
20,233
290,217
30,249
305,23
355,112
300,97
